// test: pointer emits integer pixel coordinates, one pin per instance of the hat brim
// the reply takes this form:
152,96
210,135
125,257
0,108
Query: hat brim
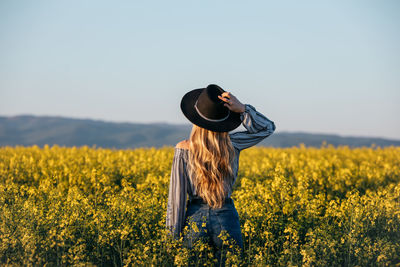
187,107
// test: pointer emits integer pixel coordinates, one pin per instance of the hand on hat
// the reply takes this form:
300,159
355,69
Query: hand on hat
232,102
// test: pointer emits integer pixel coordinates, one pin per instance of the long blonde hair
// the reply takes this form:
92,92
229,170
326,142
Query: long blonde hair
210,157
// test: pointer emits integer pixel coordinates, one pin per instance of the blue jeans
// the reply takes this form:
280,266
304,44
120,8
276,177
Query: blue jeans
216,220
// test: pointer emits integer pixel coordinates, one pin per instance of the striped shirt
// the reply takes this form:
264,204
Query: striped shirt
258,128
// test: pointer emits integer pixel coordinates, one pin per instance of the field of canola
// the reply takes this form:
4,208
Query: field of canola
299,206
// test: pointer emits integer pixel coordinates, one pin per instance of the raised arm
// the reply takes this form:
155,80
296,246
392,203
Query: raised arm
258,128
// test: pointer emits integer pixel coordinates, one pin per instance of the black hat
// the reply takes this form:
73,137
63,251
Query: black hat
203,108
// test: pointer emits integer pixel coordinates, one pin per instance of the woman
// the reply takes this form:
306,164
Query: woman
205,167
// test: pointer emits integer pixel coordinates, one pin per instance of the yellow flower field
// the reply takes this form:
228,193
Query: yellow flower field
299,206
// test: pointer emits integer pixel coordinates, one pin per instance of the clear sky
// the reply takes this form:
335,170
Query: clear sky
312,66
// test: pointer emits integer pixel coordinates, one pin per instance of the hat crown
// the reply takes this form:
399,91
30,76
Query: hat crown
209,105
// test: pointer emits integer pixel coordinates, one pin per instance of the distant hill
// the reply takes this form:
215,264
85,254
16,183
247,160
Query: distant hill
28,130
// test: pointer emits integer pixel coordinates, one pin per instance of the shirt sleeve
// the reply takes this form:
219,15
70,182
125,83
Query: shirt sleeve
176,207
258,128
